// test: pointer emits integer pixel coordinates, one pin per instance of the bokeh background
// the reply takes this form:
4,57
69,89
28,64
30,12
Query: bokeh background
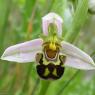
20,21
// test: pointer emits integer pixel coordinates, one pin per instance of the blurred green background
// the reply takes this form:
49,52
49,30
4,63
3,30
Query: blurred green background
20,20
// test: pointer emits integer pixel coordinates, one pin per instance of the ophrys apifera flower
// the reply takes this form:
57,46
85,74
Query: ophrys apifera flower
50,52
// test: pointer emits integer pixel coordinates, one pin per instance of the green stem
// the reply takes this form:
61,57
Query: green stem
51,5
3,30
26,83
79,19
44,86
12,87
4,74
35,87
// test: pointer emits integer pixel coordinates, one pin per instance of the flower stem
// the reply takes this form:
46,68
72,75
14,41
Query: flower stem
12,85
4,27
44,86
26,82
35,87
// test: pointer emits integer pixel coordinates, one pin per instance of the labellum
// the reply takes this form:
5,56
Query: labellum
50,63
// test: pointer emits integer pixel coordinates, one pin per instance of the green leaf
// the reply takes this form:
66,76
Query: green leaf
79,19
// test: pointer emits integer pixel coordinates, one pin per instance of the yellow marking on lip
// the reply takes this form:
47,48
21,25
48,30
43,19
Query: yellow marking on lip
54,72
46,72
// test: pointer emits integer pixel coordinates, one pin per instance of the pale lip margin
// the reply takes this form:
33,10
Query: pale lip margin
24,52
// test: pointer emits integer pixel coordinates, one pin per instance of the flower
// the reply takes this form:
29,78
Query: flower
51,54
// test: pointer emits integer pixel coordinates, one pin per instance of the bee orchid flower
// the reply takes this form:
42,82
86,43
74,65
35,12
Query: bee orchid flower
50,52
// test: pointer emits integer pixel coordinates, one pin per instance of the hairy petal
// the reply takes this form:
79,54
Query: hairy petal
76,58
24,52
52,18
